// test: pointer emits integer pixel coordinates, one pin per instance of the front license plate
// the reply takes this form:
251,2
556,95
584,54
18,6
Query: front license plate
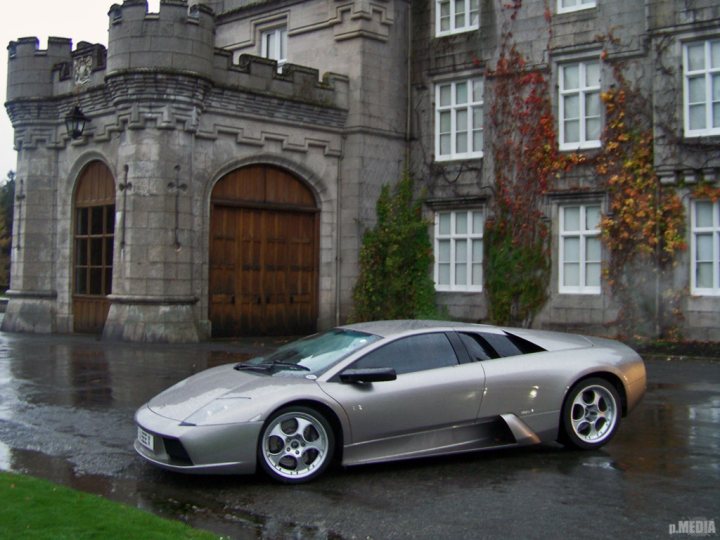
146,439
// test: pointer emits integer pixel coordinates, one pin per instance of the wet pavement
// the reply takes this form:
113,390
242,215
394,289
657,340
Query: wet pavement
66,410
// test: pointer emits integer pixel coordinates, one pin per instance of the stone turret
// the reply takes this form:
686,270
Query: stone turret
30,69
176,38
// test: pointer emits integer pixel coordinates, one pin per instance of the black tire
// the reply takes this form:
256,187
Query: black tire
590,414
296,445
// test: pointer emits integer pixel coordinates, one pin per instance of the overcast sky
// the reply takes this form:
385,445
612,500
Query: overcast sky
79,20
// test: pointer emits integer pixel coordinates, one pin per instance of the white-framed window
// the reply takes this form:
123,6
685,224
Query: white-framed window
579,104
580,249
459,119
455,16
701,63
565,6
459,250
705,248
273,45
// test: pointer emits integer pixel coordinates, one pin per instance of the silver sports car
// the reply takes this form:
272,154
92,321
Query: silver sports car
391,390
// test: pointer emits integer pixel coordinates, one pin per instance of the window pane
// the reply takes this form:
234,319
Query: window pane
97,220
704,250
477,251
716,115
571,276
462,120
571,107
593,250
704,275
444,223
696,57
697,117
461,274
96,281
478,140
571,218
592,217
461,251
478,90
696,87
81,281
444,24
81,247
461,223
592,104
716,87
572,131
108,281
461,143
444,145
108,251
445,95
703,214
592,74
478,222
82,221
96,251
110,219
592,275
444,274
571,251
571,77
477,277
477,118
592,129
715,55
445,122
461,93
444,251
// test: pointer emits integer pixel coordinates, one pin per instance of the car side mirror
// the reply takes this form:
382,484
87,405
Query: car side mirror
367,375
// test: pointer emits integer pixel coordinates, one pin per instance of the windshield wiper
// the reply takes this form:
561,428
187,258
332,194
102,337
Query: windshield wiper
253,367
288,365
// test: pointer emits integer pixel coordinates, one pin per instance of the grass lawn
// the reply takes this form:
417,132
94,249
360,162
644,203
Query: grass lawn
33,508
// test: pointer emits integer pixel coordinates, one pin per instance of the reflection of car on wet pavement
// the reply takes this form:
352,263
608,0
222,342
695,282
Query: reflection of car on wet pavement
391,390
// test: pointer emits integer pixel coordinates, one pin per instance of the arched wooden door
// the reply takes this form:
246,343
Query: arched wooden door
94,230
263,254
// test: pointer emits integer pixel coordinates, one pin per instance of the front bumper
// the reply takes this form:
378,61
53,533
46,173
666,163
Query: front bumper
218,449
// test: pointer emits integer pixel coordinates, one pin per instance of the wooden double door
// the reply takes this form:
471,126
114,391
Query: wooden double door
263,255
93,240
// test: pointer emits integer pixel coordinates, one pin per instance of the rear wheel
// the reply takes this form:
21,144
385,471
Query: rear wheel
296,445
590,414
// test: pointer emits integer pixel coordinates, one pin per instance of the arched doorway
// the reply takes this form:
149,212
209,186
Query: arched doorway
263,254
94,230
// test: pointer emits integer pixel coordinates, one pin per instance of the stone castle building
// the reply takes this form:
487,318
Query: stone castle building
234,151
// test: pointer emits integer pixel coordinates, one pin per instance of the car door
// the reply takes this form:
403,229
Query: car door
432,404
521,379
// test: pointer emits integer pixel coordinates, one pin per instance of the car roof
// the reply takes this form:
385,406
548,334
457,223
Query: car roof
396,327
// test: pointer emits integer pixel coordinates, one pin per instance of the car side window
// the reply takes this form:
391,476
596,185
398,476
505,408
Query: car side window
477,347
509,344
414,353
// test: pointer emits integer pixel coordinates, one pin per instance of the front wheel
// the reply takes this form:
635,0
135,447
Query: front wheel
296,445
590,414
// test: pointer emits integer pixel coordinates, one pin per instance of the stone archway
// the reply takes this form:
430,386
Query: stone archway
263,254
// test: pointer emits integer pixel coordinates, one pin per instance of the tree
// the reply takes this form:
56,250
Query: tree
395,260
7,204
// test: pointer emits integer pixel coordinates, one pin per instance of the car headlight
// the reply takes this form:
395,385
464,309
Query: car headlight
215,412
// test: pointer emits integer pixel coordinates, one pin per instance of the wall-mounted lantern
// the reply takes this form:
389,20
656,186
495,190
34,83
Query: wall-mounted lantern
75,123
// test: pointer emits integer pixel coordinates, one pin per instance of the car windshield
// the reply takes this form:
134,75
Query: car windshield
313,354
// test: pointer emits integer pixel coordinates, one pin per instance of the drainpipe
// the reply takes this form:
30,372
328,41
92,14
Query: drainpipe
408,112
338,231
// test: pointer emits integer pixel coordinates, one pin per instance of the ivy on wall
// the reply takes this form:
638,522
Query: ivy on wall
644,227
524,156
